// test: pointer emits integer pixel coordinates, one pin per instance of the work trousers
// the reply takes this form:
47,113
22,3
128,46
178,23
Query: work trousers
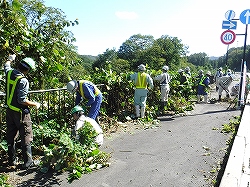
17,121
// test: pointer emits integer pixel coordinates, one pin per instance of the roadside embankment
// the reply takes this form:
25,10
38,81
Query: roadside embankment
237,171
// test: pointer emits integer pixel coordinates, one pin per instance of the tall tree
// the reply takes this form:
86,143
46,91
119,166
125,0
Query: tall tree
133,49
29,28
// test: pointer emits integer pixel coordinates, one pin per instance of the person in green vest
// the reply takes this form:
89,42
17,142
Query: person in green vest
203,86
142,80
18,118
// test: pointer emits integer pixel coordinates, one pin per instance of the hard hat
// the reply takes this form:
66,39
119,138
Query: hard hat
71,86
220,68
200,71
208,73
187,69
180,70
142,67
76,109
28,63
165,68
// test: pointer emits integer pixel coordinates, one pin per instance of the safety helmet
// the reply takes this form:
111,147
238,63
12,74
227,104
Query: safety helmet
180,70
28,63
76,109
187,69
208,73
165,68
142,67
71,86
201,71
220,68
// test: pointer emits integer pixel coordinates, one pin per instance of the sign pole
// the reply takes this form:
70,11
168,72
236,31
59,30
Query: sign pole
242,68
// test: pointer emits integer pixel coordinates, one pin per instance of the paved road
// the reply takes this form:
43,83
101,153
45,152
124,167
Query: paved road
181,152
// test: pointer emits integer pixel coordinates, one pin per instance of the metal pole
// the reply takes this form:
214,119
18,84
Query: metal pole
242,67
226,60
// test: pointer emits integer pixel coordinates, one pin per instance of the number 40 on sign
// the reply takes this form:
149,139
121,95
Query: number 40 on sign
227,37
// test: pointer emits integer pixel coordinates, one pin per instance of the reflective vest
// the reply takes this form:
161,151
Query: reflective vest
141,81
202,80
11,87
81,82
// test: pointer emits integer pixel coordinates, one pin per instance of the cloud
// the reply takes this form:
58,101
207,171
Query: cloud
126,15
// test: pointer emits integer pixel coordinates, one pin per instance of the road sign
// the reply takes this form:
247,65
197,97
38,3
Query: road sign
229,24
229,14
227,37
245,16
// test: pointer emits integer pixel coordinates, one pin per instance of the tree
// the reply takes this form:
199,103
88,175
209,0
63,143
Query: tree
29,28
198,59
134,48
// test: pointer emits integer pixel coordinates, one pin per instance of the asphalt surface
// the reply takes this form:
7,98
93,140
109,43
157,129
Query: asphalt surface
182,151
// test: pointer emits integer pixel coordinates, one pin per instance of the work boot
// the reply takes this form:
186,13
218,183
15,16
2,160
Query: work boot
219,98
143,112
27,157
198,98
12,160
205,98
137,111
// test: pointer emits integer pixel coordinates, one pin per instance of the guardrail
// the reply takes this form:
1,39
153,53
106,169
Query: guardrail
55,103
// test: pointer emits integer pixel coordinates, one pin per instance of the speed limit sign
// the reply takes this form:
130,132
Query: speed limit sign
228,37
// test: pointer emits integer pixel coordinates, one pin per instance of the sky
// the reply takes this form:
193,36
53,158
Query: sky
106,24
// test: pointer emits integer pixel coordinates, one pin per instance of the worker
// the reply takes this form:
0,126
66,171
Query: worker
86,90
183,77
224,83
217,76
164,80
141,80
203,87
18,118
187,71
81,119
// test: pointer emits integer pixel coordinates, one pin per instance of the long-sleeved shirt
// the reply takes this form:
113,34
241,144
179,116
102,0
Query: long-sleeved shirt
89,93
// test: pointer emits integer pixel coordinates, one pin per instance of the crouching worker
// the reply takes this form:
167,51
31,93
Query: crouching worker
81,119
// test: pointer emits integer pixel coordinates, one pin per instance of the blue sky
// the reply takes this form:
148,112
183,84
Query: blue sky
106,24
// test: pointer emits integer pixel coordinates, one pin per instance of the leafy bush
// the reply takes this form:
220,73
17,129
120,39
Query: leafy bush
75,156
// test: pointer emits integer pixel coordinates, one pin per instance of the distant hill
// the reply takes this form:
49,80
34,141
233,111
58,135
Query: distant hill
213,58
89,57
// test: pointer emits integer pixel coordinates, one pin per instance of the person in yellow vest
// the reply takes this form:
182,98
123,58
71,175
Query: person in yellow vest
141,80
86,90
18,114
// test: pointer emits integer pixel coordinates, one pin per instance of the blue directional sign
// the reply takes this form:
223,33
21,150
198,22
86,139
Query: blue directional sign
245,16
229,24
229,15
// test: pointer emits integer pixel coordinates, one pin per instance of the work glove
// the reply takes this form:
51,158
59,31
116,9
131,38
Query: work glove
12,57
37,105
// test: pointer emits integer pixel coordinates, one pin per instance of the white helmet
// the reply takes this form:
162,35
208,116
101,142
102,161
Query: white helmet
165,68
208,73
180,70
187,69
142,67
71,86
